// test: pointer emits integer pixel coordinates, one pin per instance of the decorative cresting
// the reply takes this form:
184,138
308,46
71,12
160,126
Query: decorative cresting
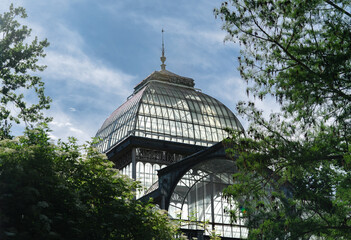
166,106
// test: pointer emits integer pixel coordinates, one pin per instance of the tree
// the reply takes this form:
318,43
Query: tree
294,176
18,61
52,191
57,191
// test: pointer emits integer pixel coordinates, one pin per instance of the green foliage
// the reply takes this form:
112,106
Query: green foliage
18,61
192,221
294,176
52,191
214,236
298,51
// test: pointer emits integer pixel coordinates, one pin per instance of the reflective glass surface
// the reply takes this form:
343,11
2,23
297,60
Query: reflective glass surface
146,174
168,112
120,124
199,195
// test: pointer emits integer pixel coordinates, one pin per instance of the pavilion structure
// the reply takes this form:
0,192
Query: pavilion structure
168,136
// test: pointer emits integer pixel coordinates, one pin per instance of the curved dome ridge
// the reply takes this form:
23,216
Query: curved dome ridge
167,111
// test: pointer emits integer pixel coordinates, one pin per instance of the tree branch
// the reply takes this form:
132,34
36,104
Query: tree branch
338,8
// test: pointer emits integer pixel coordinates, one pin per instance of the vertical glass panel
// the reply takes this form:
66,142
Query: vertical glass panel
168,101
171,113
158,111
182,115
211,121
224,111
201,118
173,127
228,122
197,132
155,167
164,112
206,120
204,134
148,98
219,111
167,129
141,109
214,135
194,117
185,130
176,114
139,170
162,100
223,123
197,107
155,99
147,123
180,131
187,116
152,110
153,124
148,175
160,125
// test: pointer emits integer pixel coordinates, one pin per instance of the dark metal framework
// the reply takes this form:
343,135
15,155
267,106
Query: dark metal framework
193,187
162,137
168,112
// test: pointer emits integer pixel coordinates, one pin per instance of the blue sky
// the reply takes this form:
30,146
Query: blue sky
99,50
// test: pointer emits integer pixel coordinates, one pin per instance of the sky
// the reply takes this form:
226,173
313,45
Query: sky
99,50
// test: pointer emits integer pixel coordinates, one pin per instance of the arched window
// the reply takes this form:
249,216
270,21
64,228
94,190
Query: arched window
199,195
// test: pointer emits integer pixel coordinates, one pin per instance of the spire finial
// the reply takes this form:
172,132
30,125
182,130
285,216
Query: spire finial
163,58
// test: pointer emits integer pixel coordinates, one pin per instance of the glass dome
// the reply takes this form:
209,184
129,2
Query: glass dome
167,107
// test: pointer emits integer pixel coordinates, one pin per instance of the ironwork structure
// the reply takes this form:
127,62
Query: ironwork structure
192,189
167,107
167,135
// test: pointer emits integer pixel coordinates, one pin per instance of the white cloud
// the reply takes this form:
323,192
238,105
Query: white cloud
81,69
69,69
67,61
71,65
64,126
66,40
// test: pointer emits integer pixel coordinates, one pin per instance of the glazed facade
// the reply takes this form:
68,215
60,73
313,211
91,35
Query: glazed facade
168,112
199,195
163,124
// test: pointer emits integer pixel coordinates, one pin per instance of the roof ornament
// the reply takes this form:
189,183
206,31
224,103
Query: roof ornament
163,58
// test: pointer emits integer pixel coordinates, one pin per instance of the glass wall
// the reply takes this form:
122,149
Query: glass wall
128,170
146,174
198,195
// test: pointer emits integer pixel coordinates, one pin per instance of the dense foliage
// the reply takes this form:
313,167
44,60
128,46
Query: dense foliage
295,167
57,191
52,191
18,62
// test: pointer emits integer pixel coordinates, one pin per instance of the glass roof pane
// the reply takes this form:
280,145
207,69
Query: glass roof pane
188,116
